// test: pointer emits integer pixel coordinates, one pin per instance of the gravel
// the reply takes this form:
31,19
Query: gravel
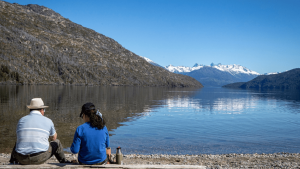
276,160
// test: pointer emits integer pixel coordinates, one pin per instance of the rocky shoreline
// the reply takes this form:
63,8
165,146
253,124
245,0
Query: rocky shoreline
275,160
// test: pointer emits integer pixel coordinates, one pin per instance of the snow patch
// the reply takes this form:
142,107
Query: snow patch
232,69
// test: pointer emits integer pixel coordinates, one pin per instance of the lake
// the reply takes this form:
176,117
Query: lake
154,120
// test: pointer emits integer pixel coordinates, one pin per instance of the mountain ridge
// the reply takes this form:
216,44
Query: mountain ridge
285,80
39,46
215,75
233,69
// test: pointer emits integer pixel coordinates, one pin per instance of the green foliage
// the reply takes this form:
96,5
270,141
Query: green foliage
15,76
6,74
4,69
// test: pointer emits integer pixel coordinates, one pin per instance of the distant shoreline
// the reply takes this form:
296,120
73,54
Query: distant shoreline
93,85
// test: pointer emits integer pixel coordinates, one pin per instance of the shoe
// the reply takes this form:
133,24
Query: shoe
74,162
65,161
13,163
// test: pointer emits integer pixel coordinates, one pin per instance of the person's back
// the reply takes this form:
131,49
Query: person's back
33,132
93,144
91,138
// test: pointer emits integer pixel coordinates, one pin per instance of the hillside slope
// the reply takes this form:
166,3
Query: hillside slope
39,46
286,80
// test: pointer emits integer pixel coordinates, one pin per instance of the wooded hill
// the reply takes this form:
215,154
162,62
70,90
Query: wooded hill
39,46
286,80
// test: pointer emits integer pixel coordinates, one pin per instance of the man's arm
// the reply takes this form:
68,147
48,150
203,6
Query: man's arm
53,138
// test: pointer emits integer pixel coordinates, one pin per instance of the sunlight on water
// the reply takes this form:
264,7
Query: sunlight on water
167,120
211,121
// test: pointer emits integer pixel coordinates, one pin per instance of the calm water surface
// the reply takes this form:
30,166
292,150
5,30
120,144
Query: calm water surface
146,120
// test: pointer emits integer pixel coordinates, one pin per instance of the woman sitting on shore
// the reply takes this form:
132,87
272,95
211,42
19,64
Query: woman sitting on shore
91,138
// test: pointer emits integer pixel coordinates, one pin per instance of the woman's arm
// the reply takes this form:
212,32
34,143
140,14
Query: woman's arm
107,138
76,143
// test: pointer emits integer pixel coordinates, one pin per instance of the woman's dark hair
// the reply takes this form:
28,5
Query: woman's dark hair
89,110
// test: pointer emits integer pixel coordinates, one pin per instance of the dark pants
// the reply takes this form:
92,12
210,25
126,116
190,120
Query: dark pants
101,163
55,148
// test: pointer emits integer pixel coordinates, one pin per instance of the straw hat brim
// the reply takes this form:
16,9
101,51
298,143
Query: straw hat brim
37,107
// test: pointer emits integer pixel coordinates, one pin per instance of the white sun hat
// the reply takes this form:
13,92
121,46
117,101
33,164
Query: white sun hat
37,103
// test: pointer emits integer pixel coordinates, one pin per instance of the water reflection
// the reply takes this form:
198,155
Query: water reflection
215,100
177,120
228,101
215,120
118,105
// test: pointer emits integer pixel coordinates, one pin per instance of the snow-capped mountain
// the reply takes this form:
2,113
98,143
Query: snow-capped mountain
213,74
216,74
151,62
183,69
275,73
272,73
232,69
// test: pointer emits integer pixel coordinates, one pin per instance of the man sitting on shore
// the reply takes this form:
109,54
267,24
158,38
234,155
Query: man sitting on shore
33,131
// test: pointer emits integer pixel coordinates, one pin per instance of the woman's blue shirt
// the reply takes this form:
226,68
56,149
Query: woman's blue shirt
91,143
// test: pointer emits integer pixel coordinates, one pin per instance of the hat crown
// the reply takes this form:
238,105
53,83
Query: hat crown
36,103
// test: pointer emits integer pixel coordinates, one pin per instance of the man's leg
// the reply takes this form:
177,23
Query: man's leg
13,159
33,159
57,150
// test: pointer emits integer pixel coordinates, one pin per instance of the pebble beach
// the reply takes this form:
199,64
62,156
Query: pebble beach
275,160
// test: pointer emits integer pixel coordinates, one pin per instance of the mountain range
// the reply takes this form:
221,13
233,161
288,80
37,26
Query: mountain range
286,80
39,46
214,74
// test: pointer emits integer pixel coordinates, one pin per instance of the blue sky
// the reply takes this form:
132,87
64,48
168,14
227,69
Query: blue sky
262,35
